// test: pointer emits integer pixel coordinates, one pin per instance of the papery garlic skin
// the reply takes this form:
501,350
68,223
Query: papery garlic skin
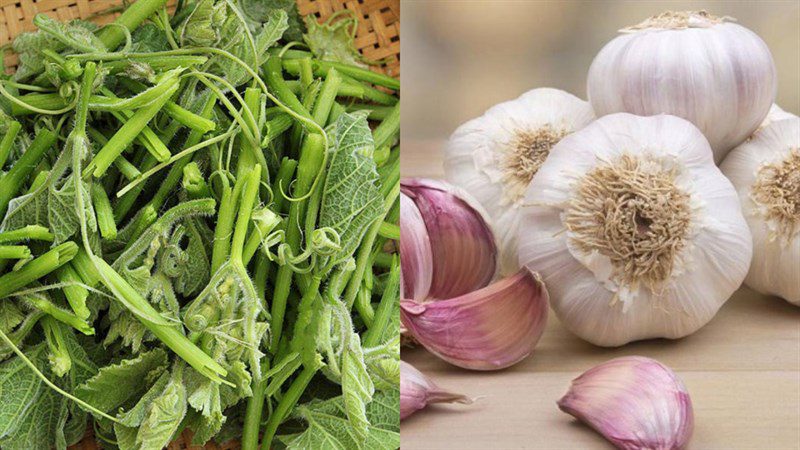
765,171
494,157
718,75
489,329
775,114
462,244
416,258
418,391
686,230
635,402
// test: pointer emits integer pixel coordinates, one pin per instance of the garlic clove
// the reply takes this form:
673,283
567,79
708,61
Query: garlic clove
495,156
462,245
489,329
416,259
418,391
636,403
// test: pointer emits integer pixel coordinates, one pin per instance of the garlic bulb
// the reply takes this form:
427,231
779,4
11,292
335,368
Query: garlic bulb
635,231
766,172
635,402
495,156
718,75
452,226
489,329
418,391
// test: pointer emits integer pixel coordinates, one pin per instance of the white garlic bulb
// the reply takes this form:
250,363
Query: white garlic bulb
495,156
718,75
766,172
635,231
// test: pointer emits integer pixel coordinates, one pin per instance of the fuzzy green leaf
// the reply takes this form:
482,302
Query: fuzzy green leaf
383,364
157,415
271,32
10,317
357,387
29,46
165,415
19,389
117,384
202,27
42,424
351,200
333,41
329,428
53,204
257,12
148,38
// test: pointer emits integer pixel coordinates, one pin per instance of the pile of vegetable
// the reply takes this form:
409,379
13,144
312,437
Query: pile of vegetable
198,232
641,210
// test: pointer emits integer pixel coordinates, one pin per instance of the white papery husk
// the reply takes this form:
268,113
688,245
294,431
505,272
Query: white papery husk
775,114
477,151
775,269
718,75
707,270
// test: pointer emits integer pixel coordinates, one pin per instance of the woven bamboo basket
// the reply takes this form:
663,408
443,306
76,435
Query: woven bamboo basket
377,38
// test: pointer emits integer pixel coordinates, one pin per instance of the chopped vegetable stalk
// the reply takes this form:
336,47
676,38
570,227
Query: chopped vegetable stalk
105,215
29,232
383,314
11,182
75,293
127,133
311,157
156,63
37,268
321,68
193,182
385,132
176,171
274,78
14,252
44,305
135,14
389,231
166,332
7,143
327,97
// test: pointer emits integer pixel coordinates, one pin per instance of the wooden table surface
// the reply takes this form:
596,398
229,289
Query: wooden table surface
742,371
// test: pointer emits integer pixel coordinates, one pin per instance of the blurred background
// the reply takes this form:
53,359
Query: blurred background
462,57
